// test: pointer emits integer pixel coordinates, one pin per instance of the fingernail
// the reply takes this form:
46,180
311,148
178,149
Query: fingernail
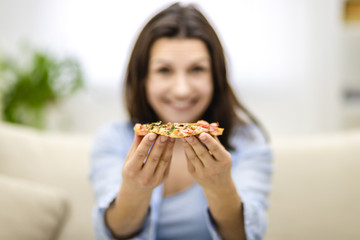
152,137
202,137
183,140
163,138
190,139
172,139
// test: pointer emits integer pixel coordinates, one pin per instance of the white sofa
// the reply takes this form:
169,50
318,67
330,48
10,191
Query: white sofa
316,187
44,186
45,192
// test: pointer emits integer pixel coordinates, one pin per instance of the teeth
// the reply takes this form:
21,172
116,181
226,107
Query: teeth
181,104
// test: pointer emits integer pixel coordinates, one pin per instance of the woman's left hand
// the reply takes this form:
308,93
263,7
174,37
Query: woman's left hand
210,165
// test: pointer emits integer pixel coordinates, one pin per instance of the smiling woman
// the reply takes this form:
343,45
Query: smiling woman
180,42
202,185
179,84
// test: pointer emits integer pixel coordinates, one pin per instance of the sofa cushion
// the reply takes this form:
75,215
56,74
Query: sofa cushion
316,187
30,211
60,160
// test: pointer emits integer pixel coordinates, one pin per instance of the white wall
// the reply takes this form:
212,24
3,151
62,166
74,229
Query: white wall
283,54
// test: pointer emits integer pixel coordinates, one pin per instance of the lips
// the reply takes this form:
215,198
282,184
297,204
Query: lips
176,110
182,106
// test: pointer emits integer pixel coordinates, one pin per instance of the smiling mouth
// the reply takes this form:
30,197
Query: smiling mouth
182,105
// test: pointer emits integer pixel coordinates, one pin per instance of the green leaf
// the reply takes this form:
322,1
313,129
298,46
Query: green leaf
172,129
27,89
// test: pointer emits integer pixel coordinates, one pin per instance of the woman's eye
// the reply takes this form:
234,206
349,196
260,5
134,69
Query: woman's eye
198,69
163,70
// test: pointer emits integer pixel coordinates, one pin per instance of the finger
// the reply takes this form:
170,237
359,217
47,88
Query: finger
201,151
214,146
216,138
191,155
163,167
155,155
135,144
190,166
141,152
167,170
166,156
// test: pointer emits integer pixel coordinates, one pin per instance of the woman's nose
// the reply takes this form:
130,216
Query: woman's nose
181,87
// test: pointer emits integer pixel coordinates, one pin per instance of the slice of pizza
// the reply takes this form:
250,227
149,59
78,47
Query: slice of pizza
178,130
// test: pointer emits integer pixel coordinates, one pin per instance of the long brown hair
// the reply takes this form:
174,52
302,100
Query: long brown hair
178,21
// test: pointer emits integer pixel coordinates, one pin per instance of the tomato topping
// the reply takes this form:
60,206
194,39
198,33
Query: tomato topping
203,123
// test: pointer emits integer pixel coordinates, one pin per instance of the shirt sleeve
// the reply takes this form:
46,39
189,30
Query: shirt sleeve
107,158
251,172
211,226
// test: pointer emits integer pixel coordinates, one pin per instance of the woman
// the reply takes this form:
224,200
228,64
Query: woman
200,187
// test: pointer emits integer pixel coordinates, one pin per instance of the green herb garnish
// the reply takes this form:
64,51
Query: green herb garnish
157,123
172,129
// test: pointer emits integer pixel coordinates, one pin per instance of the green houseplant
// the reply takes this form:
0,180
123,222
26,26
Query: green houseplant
28,89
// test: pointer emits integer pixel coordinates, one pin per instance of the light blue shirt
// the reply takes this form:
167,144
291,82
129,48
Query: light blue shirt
184,215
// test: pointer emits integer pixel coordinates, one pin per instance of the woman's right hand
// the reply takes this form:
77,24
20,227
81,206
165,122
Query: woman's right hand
144,170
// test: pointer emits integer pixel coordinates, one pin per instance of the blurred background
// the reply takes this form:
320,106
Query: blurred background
294,63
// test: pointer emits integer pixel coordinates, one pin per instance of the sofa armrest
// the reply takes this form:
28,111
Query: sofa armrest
30,210
315,187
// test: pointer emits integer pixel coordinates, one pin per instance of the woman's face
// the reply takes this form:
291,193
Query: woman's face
179,84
